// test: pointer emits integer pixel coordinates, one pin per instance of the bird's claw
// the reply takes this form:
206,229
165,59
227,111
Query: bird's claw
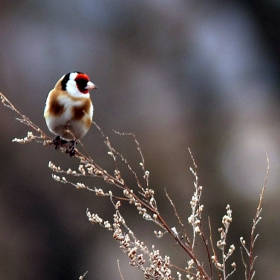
71,150
58,142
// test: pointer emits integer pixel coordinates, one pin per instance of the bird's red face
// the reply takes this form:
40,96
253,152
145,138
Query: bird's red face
82,81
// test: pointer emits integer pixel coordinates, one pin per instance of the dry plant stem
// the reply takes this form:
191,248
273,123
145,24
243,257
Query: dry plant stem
199,266
6,102
185,233
213,248
83,276
244,263
138,253
119,268
208,254
249,269
177,215
146,206
146,202
197,212
153,209
183,270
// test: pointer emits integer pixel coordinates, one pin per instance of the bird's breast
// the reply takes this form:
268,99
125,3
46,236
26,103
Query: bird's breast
83,109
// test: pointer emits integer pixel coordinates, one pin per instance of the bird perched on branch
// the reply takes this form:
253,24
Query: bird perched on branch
69,109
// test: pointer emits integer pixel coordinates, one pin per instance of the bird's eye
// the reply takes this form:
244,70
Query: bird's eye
81,81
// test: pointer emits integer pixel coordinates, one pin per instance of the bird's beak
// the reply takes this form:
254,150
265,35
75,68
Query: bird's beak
90,85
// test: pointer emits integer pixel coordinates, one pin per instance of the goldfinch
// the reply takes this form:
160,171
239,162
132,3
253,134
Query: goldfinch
68,112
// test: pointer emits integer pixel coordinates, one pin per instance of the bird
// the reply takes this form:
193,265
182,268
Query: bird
69,110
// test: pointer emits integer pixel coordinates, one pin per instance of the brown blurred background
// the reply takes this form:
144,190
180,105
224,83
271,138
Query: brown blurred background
178,74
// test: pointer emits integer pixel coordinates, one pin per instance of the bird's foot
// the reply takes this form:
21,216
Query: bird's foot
71,150
58,142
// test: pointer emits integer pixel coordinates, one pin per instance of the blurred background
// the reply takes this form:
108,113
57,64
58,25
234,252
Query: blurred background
177,74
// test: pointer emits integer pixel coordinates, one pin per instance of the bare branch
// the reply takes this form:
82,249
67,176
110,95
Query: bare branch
119,268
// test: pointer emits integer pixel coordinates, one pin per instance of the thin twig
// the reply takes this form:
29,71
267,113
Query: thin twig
213,248
255,221
174,208
249,269
244,263
142,163
175,212
83,276
119,268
